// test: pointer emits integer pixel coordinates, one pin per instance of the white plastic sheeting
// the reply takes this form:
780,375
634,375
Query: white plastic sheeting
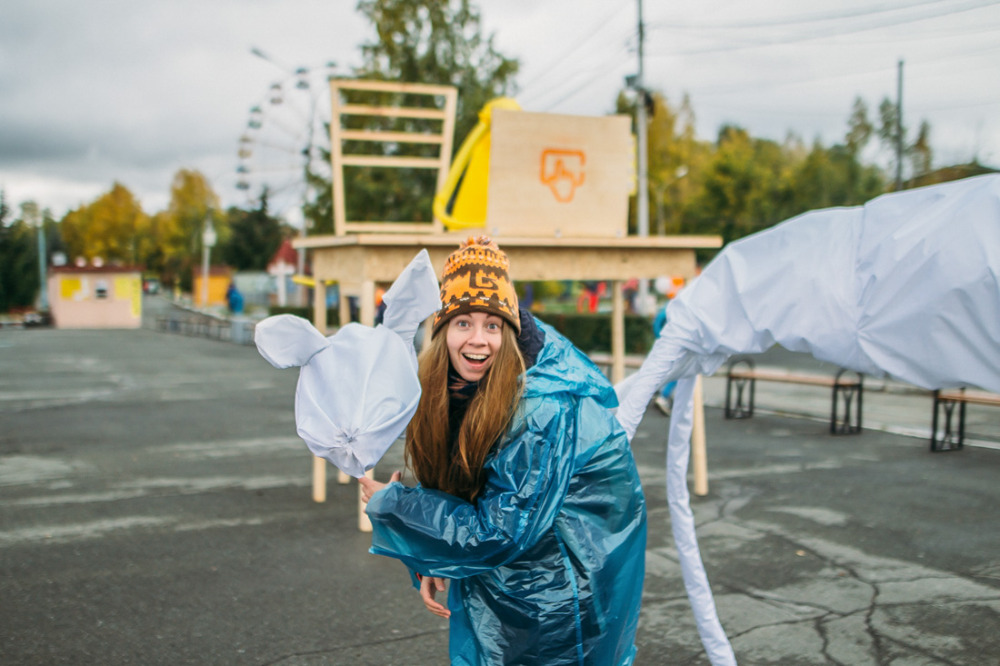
357,389
906,286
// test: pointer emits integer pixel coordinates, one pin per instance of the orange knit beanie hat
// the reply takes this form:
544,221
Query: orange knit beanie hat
476,279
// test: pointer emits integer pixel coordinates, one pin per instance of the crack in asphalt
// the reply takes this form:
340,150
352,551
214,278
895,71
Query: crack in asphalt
884,648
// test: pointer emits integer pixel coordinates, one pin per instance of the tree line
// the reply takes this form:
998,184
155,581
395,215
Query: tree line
733,185
114,229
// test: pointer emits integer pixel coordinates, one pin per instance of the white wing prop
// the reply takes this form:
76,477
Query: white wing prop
907,285
357,389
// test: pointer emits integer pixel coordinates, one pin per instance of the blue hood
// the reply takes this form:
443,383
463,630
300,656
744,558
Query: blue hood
562,368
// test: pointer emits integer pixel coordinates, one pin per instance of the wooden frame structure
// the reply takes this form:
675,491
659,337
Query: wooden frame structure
367,259
359,255
339,134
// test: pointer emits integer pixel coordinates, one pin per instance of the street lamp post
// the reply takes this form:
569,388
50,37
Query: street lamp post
33,218
207,242
661,194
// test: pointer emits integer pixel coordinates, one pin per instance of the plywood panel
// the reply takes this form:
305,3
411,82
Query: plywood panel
559,176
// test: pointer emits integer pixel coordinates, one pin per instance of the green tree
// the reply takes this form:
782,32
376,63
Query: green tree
437,42
421,41
676,160
18,260
674,164
891,133
255,237
833,177
178,230
920,153
318,207
747,187
859,128
863,181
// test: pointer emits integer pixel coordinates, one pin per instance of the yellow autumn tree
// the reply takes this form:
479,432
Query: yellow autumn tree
677,163
109,228
179,229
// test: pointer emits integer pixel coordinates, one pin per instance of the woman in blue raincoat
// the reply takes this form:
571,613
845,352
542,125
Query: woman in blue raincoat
529,500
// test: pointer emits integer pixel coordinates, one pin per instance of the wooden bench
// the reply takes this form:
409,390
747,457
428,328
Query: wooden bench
604,361
845,412
945,401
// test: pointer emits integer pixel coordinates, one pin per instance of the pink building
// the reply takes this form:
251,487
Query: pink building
95,296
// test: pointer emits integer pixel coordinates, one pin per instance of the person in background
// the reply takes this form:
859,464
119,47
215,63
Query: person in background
664,399
529,508
589,297
234,299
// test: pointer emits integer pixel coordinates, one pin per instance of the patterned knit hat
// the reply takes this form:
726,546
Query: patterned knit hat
475,279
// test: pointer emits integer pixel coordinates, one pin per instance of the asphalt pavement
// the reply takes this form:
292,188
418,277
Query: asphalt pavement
155,508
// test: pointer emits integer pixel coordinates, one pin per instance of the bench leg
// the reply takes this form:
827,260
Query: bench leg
850,421
949,439
742,407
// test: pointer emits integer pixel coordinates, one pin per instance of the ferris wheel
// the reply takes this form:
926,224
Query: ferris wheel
285,141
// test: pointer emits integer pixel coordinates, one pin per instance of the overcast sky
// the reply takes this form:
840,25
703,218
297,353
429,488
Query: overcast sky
131,91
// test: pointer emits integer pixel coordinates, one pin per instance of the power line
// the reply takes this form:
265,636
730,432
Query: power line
597,64
815,35
601,25
798,20
593,77
915,63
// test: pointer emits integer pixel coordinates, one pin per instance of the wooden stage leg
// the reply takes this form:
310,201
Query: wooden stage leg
319,321
617,332
699,460
319,479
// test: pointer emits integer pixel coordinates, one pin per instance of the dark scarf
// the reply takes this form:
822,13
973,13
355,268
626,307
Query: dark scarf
460,392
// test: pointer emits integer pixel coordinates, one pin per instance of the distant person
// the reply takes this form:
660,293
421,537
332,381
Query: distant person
529,296
664,400
234,299
380,305
630,290
587,302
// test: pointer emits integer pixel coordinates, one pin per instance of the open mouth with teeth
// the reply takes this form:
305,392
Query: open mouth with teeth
476,358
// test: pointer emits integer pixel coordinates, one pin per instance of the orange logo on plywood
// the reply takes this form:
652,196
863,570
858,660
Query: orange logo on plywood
562,171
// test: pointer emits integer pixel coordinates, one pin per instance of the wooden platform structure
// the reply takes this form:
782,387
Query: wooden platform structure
359,261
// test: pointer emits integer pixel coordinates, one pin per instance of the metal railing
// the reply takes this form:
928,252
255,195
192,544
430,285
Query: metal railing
238,331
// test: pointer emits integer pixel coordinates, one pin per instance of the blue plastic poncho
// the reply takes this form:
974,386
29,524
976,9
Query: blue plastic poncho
547,565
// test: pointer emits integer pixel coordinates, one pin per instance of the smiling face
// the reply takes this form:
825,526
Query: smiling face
473,341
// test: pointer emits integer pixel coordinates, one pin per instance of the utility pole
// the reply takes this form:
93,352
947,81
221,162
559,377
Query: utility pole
642,189
208,238
35,219
642,196
899,127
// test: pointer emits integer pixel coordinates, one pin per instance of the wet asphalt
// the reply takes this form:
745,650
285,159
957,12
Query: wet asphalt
155,508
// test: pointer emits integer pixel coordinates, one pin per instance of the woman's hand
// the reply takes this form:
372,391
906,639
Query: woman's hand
370,486
428,588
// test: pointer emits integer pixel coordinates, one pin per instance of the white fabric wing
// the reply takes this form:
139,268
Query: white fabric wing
287,341
354,398
414,296
357,389
908,285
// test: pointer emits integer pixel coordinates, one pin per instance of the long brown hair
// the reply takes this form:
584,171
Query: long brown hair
428,437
